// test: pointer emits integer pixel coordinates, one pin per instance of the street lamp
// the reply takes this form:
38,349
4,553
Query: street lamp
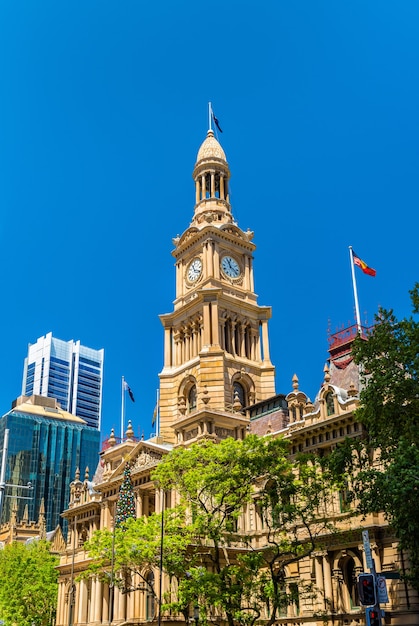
72,595
196,614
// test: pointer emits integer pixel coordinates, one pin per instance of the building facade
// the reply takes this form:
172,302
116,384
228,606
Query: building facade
218,382
45,446
69,372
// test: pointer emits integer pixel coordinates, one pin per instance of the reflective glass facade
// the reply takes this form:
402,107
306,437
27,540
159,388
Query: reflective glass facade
69,372
45,451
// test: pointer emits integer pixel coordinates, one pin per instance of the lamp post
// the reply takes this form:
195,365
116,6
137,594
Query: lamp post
163,505
72,595
111,583
196,614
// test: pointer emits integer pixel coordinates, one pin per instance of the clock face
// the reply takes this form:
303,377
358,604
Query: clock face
194,270
230,267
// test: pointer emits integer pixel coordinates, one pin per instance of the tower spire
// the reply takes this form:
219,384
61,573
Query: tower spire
211,175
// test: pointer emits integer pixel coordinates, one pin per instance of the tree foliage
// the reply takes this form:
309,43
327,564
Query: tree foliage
215,483
135,550
28,584
386,463
209,559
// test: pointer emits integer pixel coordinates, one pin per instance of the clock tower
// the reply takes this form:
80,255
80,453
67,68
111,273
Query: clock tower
216,346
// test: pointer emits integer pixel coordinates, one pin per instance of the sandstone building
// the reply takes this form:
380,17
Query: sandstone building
218,381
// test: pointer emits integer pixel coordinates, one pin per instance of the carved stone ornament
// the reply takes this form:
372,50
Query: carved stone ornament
146,459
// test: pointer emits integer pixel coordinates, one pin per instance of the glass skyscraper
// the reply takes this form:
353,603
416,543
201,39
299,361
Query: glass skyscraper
46,446
68,372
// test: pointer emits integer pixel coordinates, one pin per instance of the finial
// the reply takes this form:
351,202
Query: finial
237,405
295,382
129,433
309,407
352,390
77,474
86,473
326,373
112,438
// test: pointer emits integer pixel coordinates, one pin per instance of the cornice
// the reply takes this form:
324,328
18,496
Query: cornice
229,233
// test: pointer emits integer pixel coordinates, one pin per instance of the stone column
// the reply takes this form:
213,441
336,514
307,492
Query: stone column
318,568
222,333
214,322
265,341
252,280
83,598
61,604
242,340
105,604
139,504
375,553
167,347
216,260
327,577
145,504
187,343
98,601
206,322
91,606
337,581
233,338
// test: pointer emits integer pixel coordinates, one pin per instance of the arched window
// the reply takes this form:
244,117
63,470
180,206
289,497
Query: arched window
192,399
150,599
330,403
240,393
350,578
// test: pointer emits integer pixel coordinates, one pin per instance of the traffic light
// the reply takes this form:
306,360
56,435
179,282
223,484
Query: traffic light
373,617
366,589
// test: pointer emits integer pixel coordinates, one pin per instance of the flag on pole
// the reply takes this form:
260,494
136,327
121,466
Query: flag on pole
128,388
154,418
364,267
215,120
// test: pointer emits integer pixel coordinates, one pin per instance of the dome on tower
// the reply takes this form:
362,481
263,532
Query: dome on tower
210,149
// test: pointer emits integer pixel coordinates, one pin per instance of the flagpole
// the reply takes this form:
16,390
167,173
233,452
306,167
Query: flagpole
158,412
358,317
122,408
209,115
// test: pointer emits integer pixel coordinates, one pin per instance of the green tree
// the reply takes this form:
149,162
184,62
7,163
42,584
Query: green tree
135,550
214,483
385,464
28,584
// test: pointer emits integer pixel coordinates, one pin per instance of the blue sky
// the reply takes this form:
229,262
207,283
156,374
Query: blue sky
103,106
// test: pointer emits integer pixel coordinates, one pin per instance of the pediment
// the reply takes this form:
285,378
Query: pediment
234,230
144,456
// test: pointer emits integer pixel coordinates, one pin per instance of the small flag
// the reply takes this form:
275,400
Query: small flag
128,388
154,418
216,122
364,267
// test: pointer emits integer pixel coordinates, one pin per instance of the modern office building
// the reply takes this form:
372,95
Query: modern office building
69,372
46,445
